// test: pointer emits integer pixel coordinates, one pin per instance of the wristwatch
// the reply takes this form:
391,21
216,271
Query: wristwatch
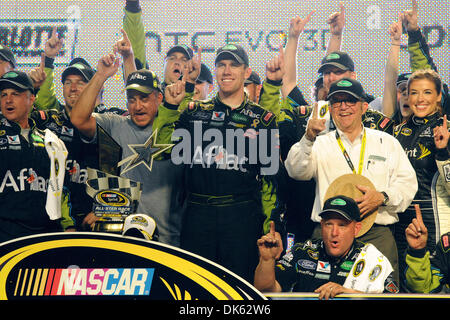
386,198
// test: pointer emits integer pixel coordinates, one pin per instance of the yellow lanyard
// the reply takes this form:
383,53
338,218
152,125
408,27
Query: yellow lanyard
347,157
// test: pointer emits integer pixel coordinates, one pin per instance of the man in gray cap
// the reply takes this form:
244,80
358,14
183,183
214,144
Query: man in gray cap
160,196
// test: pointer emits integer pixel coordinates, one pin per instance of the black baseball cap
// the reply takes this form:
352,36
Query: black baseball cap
184,49
18,80
347,85
337,59
232,52
7,55
319,82
254,78
205,75
78,66
403,78
345,206
144,81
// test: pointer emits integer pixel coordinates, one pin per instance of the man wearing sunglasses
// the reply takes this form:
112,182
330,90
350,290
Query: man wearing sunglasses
353,148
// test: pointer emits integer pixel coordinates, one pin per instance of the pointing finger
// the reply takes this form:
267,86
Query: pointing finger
54,35
308,17
272,228
418,214
125,36
42,64
341,7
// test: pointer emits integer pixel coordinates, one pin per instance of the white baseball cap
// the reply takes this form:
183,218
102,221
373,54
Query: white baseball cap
140,226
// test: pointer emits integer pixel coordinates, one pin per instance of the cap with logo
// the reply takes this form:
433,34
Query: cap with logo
184,49
254,78
338,59
7,55
205,75
144,81
78,66
342,205
349,86
232,52
18,80
140,225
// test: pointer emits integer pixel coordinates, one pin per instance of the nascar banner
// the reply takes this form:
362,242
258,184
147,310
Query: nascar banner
90,265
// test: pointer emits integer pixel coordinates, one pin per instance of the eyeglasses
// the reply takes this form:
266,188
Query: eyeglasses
349,102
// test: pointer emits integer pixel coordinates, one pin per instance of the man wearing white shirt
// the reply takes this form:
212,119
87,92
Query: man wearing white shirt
353,148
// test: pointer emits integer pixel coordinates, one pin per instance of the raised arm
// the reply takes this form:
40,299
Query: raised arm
43,75
296,27
391,70
268,246
419,51
337,24
134,28
81,116
124,48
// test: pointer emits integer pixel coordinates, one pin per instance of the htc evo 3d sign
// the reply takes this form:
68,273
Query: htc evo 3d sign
101,265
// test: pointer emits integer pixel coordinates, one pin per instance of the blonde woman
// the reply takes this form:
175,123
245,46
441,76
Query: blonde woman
424,138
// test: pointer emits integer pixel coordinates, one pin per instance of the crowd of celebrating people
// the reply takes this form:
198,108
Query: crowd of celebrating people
358,183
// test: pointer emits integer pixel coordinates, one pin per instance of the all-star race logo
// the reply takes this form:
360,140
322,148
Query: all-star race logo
88,265
27,37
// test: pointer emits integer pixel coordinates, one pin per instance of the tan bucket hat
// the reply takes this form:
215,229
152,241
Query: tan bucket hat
346,185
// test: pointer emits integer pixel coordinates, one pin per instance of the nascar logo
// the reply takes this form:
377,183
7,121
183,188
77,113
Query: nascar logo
83,282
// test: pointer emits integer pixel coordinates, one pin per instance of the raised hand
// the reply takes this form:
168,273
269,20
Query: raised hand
37,74
53,45
416,232
269,245
175,92
108,65
193,68
275,67
441,135
123,46
337,20
297,25
410,17
395,31
315,125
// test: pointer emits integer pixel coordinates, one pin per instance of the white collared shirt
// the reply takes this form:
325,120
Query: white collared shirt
385,165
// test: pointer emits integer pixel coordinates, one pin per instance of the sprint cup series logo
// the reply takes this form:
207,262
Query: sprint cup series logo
27,37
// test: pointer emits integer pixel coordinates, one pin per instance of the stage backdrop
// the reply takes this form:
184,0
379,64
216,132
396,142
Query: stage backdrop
91,28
